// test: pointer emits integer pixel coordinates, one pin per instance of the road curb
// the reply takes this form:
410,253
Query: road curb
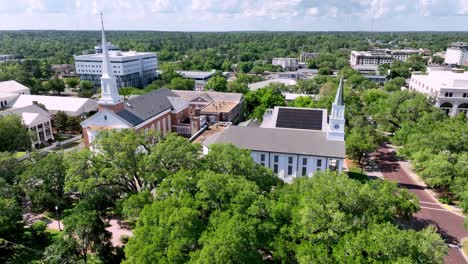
461,248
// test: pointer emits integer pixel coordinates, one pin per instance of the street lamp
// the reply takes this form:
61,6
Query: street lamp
363,160
58,219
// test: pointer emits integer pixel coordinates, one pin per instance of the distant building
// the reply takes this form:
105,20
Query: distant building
305,56
457,54
110,47
131,68
200,77
37,120
449,88
263,84
288,64
292,142
7,57
379,79
369,61
63,70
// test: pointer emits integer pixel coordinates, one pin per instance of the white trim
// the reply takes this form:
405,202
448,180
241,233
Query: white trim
91,119
152,119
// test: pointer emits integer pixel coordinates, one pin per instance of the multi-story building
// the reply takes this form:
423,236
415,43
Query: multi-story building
292,142
457,54
37,120
131,68
288,64
448,87
200,77
369,61
305,56
110,47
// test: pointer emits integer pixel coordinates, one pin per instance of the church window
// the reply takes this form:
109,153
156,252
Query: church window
262,159
319,163
105,117
275,168
290,166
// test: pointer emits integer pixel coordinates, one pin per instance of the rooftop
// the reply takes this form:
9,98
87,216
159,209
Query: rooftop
13,87
293,141
115,56
209,96
219,107
262,84
71,105
31,115
197,74
443,79
295,118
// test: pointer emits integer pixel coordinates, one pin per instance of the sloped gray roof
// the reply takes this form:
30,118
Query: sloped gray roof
210,96
278,140
143,107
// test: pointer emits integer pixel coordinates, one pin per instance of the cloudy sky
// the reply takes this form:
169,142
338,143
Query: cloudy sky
232,15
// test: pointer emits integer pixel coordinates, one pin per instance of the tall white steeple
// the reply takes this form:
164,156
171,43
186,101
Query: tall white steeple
336,122
109,92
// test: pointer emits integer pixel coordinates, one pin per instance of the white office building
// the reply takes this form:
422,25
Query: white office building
457,54
369,61
288,64
292,142
131,68
305,56
449,88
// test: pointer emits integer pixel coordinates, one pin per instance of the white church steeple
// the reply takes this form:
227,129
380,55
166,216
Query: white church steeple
336,122
109,92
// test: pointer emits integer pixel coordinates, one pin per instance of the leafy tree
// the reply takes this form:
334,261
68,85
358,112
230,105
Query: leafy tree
437,59
86,85
13,135
256,102
55,85
180,83
43,182
217,83
60,121
244,67
127,91
395,84
72,82
325,71
362,140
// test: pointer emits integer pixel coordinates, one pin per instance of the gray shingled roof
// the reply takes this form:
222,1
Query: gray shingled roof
143,107
293,141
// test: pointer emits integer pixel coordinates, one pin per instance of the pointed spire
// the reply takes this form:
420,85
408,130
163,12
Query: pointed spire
339,98
105,53
109,92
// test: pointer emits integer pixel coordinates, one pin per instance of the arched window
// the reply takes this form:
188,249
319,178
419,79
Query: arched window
446,107
463,108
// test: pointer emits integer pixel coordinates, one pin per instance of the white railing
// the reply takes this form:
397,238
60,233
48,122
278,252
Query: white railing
183,129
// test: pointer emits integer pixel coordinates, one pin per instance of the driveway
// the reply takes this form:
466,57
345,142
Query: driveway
449,224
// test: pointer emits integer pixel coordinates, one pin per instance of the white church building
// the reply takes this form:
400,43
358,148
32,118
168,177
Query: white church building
292,142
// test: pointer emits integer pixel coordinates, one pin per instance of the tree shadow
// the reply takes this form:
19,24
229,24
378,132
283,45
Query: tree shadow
418,224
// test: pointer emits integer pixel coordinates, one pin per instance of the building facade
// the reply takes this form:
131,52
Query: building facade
449,88
305,56
288,64
292,142
201,78
457,54
37,120
369,61
7,57
130,68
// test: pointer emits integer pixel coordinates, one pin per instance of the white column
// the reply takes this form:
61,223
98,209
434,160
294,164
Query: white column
37,132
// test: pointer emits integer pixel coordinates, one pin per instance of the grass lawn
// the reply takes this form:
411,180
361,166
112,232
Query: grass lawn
465,247
19,154
355,173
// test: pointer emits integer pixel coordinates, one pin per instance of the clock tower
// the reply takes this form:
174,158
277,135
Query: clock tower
336,122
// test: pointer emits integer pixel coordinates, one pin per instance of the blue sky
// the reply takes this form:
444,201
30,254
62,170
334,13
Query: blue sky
232,15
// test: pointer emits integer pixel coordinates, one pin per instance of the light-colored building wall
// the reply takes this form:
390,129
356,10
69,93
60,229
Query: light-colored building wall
288,64
448,88
131,68
291,166
457,54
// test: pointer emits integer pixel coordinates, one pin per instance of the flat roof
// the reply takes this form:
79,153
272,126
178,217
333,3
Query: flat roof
262,84
116,56
278,140
219,107
443,79
196,74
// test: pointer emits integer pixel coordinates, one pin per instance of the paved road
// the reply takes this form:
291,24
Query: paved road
449,224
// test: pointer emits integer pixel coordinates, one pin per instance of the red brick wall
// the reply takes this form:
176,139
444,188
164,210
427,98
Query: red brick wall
155,123
114,108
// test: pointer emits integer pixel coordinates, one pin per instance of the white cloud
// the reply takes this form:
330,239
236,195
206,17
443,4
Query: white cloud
313,11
